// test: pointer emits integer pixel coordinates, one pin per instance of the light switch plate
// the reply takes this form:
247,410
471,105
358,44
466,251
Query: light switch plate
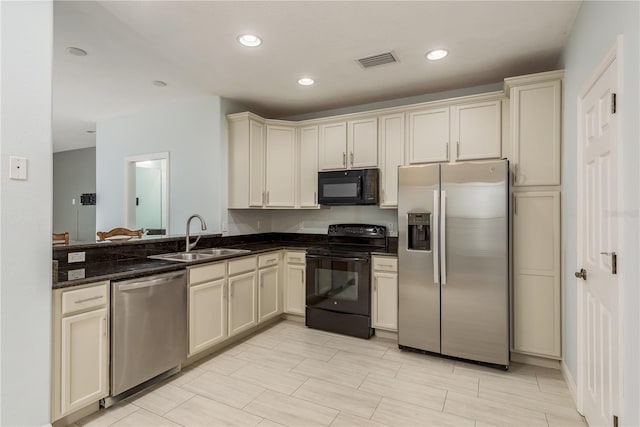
17,168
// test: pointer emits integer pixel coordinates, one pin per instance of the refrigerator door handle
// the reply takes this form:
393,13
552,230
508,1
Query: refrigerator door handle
443,238
434,237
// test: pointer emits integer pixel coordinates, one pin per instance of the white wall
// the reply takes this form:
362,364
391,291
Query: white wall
191,132
26,33
594,32
74,173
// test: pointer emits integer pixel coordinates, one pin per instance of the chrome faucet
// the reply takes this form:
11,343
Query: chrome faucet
189,245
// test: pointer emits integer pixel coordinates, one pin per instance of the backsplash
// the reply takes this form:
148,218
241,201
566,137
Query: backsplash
312,221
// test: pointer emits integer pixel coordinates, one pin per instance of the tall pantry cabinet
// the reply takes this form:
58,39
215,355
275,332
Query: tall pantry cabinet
535,133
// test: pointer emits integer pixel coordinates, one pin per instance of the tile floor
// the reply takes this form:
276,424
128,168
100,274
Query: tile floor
294,376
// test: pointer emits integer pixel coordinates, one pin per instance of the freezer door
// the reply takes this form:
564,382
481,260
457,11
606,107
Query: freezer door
418,281
474,261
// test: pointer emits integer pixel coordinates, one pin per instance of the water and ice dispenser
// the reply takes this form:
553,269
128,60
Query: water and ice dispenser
419,232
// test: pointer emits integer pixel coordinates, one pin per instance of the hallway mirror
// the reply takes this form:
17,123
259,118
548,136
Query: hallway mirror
146,193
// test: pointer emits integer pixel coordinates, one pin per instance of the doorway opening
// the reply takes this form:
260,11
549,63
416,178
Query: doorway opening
146,193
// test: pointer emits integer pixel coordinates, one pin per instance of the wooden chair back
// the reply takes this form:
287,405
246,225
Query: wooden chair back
104,235
60,238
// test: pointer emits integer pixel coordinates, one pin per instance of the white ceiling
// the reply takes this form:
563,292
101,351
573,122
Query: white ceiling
192,46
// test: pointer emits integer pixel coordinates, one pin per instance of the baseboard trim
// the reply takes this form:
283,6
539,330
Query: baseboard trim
571,383
386,335
528,359
294,317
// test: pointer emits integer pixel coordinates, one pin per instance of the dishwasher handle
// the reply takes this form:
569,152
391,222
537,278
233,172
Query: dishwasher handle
148,282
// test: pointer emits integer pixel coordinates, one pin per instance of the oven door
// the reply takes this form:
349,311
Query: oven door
339,283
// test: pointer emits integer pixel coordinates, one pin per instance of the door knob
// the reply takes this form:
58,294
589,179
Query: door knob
582,274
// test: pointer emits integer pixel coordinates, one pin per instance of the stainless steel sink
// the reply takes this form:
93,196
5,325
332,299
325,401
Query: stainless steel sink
200,254
183,256
217,252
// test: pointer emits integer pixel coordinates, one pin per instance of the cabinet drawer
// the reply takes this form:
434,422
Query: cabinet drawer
206,273
85,298
296,257
241,265
385,264
268,259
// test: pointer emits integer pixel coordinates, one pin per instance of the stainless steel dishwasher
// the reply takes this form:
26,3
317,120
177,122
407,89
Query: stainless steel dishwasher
149,329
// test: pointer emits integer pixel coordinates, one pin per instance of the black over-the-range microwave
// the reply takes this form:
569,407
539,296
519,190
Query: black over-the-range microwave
350,187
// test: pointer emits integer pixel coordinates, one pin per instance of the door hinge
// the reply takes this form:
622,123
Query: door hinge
615,421
613,103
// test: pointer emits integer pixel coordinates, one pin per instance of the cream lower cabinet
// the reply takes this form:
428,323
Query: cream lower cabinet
207,306
80,347
384,300
243,294
269,286
295,282
536,285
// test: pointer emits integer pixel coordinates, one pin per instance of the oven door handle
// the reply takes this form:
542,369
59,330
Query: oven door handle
338,258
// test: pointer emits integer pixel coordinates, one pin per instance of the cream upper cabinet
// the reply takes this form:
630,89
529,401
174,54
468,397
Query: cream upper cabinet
262,162
349,145
207,306
536,265
384,300
391,150
362,143
428,139
80,347
280,155
536,123
477,130
294,292
246,160
308,167
333,146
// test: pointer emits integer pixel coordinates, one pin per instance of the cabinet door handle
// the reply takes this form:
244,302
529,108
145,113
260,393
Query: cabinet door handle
352,158
386,265
104,326
230,291
80,301
262,199
447,151
315,198
344,159
457,150
375,285
267,197
515,205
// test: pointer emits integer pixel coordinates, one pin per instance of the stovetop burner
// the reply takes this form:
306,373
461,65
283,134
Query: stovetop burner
352,240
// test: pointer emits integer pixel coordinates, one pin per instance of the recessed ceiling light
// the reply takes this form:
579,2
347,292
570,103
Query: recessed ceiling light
306,81
159,83
436,54
76,51
249,40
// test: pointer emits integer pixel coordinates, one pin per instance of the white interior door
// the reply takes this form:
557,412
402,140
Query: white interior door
599,375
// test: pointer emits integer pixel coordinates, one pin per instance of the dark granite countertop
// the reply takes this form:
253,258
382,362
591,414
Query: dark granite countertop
124,261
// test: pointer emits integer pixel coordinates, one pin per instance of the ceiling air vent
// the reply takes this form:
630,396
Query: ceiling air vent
375,60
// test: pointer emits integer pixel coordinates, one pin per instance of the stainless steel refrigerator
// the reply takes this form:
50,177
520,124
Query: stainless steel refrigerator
453,255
